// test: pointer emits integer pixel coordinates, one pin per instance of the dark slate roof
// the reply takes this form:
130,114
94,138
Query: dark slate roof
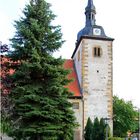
90,6
90,23
88,31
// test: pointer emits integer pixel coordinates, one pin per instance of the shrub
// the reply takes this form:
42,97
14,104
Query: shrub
115,138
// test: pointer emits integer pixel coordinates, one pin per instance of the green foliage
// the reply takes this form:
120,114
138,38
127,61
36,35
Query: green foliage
5,125
124,117
102,131
88,130
96,130
3,48
115,138
40,106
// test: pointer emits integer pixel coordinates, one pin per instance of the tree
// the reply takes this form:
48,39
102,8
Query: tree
88,130
96,129
41,110
124,117
3,48
102,132
4,102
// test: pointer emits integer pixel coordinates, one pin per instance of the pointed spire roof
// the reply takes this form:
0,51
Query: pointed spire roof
90,13
91,29
90,3
90,6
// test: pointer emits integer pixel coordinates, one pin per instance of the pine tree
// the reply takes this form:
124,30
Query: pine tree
3,48
88,130
41,110
96,129
102,131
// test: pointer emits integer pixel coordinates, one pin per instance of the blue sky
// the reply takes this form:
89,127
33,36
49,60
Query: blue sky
120,20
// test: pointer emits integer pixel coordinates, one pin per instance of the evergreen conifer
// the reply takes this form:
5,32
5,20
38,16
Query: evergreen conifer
88,130
41,110
102,131
96,130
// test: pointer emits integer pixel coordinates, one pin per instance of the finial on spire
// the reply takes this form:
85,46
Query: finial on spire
90,5
91,29
90,13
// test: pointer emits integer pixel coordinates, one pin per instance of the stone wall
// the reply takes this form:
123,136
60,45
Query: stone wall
95,78
78,110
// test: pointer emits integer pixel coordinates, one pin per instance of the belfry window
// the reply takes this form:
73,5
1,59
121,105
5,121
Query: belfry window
97,51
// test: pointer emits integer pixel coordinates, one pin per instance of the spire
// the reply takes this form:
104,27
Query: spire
91,29
90,13
90,4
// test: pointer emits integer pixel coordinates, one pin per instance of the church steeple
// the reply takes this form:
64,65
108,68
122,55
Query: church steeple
90,12
92,62
91,29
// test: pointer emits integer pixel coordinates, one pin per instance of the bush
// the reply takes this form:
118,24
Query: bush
96,130
115,138
88,130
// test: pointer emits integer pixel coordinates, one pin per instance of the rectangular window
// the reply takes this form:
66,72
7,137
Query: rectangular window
75,105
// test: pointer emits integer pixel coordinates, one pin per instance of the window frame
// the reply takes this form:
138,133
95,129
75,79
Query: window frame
75,105
97,51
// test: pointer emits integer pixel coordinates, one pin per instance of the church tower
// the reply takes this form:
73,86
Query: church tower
93,63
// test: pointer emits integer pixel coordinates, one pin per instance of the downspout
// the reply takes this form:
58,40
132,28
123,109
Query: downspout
83,119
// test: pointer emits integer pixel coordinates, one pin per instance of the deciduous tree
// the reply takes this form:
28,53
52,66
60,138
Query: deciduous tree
124,117
4,102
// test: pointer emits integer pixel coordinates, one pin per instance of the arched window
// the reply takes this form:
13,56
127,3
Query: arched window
97,51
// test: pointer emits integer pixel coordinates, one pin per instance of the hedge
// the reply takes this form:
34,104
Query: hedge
115,138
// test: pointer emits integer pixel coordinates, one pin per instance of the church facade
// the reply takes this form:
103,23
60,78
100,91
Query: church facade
91,67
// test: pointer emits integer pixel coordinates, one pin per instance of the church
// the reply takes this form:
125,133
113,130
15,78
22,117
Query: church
91,66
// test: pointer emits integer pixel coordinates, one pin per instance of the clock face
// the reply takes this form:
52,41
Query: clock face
96,31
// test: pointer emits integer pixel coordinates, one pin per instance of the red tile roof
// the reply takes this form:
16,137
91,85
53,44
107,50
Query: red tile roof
72,86
69,64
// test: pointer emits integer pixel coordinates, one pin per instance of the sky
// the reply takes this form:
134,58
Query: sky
120,20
